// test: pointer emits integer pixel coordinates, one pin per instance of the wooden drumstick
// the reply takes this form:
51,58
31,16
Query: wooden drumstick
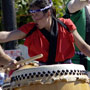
26,60
30,59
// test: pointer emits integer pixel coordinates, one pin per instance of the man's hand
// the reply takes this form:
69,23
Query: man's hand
11,65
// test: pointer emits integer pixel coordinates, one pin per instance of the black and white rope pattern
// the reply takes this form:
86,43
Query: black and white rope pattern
46,74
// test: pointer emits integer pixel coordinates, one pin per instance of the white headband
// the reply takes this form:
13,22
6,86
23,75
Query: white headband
38,10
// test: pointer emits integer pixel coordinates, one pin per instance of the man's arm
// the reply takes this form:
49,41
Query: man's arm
6,36
81,44
6,60
75,5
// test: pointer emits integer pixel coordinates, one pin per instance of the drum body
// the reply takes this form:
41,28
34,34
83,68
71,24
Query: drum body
51,77
60,85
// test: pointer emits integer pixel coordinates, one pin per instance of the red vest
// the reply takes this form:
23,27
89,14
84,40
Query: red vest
37,42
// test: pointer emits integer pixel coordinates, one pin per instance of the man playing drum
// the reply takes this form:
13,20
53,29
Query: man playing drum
52,37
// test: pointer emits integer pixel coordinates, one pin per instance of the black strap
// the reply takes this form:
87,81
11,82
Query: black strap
53,42
31,31
63,24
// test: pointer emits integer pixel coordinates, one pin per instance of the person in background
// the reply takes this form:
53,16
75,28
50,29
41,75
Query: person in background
48,35
79,12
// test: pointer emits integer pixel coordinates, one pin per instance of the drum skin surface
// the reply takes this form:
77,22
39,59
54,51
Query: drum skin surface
51,77
59,85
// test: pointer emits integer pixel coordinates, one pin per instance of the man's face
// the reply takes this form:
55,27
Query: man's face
39,18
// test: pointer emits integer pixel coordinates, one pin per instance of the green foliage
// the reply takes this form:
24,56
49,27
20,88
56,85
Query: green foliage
60,6
22,12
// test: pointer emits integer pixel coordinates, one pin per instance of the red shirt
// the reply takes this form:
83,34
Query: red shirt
37,42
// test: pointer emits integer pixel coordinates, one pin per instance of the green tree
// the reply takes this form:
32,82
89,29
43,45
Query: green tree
60,6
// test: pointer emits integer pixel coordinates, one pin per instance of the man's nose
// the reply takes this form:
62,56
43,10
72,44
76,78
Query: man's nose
35,17
34,14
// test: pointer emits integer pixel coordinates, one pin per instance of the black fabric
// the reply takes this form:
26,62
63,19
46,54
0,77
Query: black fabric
83,60
53,42
87,39
68,61
46,33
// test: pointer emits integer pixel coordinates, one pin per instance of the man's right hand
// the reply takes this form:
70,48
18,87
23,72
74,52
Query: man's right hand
11,65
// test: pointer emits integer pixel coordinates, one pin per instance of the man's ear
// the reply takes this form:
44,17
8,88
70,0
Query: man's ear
48,13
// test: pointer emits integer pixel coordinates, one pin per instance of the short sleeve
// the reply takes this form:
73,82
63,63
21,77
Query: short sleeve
69,24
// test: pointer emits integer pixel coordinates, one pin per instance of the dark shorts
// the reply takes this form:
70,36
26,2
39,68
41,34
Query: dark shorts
68,61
